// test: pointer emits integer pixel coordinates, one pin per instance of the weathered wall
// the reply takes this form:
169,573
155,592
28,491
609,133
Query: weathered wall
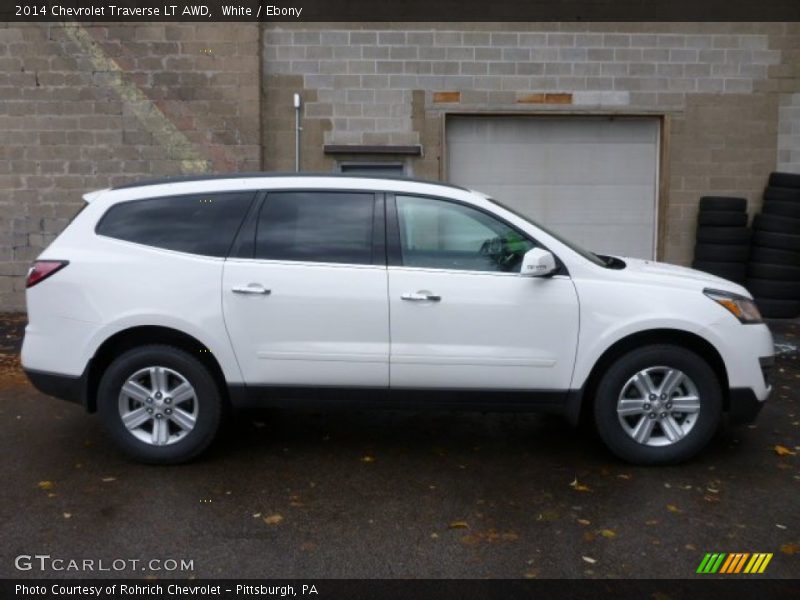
86,107
83,108
719,85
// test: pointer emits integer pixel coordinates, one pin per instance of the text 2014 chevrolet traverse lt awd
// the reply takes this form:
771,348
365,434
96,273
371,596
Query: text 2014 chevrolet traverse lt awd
164,303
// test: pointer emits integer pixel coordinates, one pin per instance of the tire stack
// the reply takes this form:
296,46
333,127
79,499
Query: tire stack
773,273
723,238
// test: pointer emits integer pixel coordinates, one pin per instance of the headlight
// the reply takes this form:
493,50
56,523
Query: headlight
740,307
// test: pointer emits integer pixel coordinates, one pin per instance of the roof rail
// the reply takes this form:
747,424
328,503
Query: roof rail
190,178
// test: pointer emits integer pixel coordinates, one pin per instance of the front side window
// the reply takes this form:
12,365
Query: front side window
202,224
330,227
437,234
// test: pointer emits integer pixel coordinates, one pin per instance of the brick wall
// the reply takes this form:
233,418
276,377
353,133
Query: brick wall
719,85
83,108
86,107
789,133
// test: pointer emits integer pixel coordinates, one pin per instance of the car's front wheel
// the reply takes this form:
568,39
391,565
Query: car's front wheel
160,404
659,404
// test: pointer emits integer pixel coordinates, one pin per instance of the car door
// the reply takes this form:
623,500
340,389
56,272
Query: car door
461,315
304,295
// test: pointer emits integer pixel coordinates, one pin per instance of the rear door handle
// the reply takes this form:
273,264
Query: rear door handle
252,288
420,297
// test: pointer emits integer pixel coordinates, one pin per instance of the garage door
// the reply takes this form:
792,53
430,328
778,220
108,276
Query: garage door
592,179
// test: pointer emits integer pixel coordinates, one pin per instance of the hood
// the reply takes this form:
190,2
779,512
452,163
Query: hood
676,275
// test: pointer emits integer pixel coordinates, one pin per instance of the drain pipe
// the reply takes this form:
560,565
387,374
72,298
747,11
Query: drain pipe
297,130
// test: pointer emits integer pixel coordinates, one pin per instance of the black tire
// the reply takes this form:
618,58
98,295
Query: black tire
723,235
771,256
778,272
723,203
722,218
778,309
614,382
209,404
783,208
780,241
735,271
774,289
780,194
776,224
722,252
786,180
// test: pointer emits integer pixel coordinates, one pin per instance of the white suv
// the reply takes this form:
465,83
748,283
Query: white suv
165,303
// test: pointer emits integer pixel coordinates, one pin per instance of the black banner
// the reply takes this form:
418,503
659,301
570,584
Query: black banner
398,10
402,589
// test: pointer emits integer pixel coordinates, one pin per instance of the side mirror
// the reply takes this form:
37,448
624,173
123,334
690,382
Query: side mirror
538,263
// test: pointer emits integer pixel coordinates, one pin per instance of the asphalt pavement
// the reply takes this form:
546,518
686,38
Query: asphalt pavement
391,494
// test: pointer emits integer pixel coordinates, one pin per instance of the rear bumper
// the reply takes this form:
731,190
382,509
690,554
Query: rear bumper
65,387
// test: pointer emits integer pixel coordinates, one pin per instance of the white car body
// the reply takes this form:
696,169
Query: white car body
338,325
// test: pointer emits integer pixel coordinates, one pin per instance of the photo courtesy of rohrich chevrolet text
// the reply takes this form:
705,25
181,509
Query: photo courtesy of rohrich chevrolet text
346,299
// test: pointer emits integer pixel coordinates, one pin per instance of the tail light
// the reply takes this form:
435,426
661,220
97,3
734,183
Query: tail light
42,269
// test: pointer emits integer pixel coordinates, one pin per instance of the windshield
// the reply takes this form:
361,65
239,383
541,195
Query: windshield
590,256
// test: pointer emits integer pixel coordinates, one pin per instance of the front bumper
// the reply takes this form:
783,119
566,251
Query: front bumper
743,406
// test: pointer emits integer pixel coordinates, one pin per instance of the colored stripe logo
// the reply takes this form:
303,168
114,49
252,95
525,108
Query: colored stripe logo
733,563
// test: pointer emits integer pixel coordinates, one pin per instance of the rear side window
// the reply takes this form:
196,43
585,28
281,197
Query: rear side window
332,227
198,224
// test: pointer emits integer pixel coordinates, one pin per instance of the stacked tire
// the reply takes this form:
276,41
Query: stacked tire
773,273
723,238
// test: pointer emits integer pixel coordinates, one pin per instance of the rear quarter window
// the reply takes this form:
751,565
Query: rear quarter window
203,224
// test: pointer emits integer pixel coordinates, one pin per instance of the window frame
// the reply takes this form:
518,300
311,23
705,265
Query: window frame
253,200
394,252
248,232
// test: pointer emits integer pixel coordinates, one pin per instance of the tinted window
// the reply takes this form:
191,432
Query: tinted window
200,224
333,227
444,235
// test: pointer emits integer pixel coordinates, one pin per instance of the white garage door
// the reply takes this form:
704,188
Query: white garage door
592,179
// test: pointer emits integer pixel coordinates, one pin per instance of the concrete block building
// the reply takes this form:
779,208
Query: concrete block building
606,132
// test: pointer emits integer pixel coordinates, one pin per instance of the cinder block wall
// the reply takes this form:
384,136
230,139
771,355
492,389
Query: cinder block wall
83,108
720,85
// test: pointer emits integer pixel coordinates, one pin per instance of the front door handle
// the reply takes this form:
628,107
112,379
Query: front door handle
420,297
252,288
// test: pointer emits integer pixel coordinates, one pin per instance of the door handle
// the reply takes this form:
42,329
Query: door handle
420,297
252,288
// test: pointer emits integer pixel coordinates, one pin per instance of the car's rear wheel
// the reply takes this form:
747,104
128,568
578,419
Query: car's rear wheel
160,404
659,404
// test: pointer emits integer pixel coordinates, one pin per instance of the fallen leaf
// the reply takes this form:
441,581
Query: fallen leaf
579,487
67,515
46,485
547,515
584,522
273,519
367,459
673,509
531,574
608,533
459,525
783,451
589,559
256,515
434,536
623,476
790,548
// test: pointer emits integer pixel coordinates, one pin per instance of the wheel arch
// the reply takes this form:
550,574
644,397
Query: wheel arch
132,337
677,337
